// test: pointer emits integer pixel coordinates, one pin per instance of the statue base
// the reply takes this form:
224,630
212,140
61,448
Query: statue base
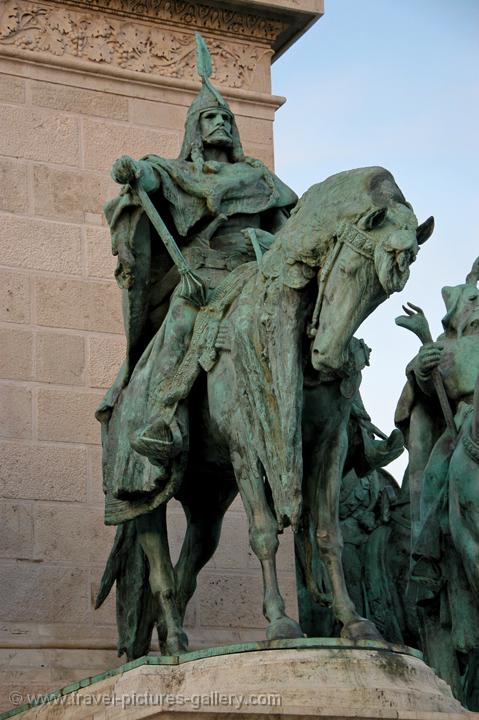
325,678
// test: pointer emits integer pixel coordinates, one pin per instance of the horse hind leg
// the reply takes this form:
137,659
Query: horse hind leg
153,538
263,536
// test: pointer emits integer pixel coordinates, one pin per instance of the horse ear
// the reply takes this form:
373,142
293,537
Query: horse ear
425,230
373,219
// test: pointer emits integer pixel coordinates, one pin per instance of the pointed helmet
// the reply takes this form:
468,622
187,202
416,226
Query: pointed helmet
209,97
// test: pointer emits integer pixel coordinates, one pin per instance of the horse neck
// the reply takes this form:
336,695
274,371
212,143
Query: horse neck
286,308
279,263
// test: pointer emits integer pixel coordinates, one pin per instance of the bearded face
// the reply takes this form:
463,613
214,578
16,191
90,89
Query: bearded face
216,128
462,303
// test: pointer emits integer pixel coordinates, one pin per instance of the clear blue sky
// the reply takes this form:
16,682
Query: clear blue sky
392,83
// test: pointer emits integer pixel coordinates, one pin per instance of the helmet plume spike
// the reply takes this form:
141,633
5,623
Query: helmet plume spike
204,68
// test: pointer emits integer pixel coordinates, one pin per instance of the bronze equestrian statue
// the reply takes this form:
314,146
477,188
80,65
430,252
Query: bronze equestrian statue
241,364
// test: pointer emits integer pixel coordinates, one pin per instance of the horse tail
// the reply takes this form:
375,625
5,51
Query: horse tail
135,607
112,566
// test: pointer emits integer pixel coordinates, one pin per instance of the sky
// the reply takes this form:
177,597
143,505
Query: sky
392,83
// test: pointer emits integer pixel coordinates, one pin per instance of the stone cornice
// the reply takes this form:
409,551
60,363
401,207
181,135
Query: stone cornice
298,15
198,15
63,31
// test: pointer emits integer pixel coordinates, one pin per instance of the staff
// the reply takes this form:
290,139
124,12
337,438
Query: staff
416,322
191,286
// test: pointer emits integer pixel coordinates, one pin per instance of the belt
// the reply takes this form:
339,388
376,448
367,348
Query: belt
216,259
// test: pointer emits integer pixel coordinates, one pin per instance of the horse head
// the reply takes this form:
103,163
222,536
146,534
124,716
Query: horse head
358,235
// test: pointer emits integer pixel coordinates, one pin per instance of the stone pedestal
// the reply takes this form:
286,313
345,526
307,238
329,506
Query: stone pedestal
324,678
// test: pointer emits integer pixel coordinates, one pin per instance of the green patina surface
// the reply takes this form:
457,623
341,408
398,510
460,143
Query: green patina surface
390,650
439,415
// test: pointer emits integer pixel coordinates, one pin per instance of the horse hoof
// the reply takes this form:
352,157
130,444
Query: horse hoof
177,644
361,629
283,629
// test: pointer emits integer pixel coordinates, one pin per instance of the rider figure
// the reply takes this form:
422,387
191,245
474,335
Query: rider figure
212,199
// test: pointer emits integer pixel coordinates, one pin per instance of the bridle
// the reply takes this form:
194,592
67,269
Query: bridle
358,241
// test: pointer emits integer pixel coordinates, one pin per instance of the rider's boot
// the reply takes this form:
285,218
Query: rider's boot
158,440
379,453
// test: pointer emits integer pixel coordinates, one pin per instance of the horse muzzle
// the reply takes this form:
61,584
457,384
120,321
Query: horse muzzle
330,365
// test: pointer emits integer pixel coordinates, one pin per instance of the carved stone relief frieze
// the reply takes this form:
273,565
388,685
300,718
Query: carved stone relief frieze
124,43
194,14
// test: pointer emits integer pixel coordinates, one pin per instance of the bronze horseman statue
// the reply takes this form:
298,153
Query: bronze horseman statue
242,371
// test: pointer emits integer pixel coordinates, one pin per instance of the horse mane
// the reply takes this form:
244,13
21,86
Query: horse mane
346,191
345,196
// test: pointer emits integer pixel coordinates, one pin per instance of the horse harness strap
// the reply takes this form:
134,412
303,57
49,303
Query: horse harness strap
357,240
322,282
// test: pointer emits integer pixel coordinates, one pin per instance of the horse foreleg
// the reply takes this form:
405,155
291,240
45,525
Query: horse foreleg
263,537
153,538
331,456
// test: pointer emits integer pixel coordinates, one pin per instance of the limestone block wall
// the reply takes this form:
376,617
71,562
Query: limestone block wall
80,84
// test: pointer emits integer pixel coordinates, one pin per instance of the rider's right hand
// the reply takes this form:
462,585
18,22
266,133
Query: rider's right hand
125,170
428,358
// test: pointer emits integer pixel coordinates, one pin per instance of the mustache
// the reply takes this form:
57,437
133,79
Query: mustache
223,129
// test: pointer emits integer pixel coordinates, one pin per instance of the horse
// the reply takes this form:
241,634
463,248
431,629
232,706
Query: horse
289,368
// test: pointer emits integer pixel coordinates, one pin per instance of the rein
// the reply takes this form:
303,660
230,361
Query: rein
356,240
